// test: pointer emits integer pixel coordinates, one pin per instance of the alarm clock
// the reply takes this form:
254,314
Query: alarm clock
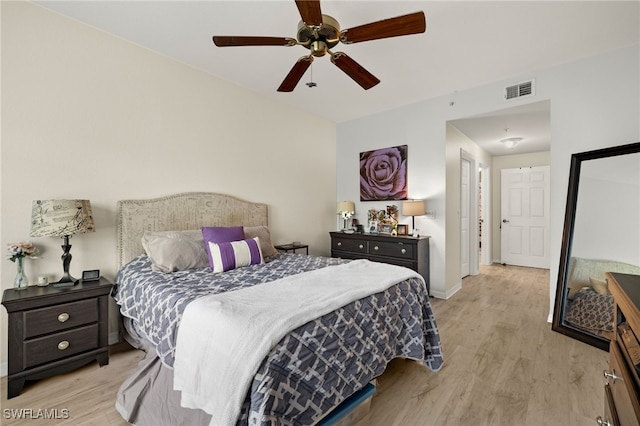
92,275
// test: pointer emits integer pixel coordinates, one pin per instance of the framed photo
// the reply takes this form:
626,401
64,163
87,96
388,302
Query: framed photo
372,228
386,228
403,229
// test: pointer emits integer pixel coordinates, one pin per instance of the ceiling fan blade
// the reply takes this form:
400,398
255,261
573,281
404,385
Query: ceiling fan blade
225,41
310,11
354,70
291,80
413,23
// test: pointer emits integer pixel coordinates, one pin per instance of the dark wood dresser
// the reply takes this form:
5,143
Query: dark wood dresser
622,390
55,330
412,252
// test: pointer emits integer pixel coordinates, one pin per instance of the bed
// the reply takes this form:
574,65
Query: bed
329,355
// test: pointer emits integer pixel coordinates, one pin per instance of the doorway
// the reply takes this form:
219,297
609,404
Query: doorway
470,215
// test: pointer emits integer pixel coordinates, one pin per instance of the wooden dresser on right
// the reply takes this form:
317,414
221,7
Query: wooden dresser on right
622,390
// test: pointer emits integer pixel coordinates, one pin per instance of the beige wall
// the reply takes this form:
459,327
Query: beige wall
88,115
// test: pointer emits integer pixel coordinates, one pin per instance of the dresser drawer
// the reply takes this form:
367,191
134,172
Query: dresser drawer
399,250
625,396
348,244
60,317
60,345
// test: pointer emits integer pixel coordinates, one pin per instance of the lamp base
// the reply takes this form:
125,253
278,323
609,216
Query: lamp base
66,281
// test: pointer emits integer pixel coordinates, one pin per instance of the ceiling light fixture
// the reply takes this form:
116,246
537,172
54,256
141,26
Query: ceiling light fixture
510,142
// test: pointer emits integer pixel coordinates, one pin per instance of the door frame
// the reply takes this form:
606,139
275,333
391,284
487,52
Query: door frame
474,265
486,258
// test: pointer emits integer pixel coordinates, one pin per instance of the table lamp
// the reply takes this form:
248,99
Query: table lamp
61,218
346,209
413,208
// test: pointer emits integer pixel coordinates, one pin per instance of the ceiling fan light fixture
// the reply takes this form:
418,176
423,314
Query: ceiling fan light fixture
510,142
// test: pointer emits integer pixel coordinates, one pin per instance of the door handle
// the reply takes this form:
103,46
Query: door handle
505,221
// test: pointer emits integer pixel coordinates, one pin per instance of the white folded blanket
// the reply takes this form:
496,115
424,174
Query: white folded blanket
223,338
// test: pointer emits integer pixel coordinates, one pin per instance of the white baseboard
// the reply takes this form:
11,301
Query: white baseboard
114,337
4,369
447,294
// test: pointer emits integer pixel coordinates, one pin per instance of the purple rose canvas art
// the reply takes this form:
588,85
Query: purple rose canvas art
383,174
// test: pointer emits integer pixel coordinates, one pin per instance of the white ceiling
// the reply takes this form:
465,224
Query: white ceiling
467,44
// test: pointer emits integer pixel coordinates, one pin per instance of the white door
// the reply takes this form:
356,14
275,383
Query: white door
465,184
525,216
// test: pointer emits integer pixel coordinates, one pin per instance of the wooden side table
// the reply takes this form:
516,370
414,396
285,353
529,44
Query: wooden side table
292,247
55,330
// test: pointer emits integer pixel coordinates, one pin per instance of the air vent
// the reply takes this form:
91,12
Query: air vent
528,88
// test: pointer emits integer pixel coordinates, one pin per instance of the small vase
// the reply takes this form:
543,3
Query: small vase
21,282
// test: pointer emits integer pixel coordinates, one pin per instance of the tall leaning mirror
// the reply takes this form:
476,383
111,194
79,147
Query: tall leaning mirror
601,234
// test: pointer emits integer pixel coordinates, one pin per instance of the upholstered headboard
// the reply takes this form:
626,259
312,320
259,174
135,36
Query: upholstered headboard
180,212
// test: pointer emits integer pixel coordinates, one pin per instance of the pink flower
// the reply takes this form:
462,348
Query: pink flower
383,174
21,249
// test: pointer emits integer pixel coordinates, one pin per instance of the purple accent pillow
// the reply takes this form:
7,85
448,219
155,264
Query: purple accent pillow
235,254
220,234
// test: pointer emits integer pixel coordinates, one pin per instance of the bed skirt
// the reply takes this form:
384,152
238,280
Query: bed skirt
147,396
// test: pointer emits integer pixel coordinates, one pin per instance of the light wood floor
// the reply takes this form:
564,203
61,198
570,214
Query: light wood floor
503,366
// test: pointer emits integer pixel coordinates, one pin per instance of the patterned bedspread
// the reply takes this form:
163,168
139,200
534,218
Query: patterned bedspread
314,367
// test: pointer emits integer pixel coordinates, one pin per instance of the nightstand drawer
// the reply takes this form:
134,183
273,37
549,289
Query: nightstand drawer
60,317
60,345
399,250
348,244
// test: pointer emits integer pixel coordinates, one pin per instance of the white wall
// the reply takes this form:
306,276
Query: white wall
594,104
88,115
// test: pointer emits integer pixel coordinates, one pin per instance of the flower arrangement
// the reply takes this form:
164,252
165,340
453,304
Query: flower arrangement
21,250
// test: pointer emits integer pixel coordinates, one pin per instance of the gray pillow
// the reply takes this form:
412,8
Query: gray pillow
263,234
172,251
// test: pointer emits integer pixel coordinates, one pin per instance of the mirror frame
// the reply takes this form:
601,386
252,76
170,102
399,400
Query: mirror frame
559,323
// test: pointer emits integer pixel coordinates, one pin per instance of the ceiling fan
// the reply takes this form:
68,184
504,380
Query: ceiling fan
319,33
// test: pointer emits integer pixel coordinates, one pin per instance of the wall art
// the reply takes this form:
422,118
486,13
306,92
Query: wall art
383,174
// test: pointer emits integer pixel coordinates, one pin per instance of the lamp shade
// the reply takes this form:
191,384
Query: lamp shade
413,208
346,207
59,218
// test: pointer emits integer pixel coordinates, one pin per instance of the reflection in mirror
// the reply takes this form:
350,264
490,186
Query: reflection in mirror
601,234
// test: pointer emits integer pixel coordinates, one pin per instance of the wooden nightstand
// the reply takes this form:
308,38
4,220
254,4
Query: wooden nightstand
55,330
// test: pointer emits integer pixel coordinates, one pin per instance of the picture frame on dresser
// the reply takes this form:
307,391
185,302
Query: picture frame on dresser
372,228
386,229
403,229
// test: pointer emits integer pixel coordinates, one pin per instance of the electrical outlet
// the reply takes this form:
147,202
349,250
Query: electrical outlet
431,214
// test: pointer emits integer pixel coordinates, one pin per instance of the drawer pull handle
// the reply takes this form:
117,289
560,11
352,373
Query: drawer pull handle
603,422
403,251
611,376
63,317
339,243
63,345
360,246
376,248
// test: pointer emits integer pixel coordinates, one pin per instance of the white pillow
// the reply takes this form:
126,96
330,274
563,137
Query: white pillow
235,254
